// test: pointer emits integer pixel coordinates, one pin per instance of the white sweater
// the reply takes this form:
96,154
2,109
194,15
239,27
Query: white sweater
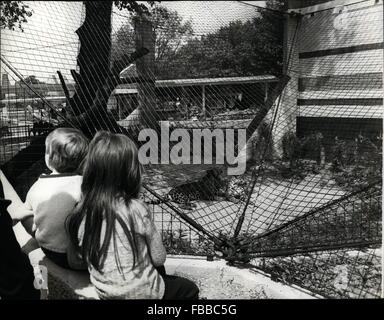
52,198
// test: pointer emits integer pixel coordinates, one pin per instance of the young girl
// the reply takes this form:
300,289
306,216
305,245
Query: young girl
114,230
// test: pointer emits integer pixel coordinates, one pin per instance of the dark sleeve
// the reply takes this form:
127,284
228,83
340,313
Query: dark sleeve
16,272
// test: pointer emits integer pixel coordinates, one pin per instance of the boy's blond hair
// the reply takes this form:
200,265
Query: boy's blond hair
66,149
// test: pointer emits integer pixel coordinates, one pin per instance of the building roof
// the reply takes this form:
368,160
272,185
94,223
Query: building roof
131,88
129,71
215,81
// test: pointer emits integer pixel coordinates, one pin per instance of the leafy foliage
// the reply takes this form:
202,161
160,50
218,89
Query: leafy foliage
33,80
356,163
133,6
237,49
13,14
261,144
38,86
123,42
339,276
170,33
170,30
301,156
179,242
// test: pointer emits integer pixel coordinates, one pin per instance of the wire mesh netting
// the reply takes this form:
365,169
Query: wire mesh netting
306,89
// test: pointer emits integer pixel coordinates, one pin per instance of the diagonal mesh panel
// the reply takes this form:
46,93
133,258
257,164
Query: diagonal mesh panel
306,89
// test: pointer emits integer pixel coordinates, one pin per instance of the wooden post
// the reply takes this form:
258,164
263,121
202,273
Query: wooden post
266,92
203,111
145,66
118,105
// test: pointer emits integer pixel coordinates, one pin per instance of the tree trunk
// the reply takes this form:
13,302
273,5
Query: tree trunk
93,58
96,79
145,66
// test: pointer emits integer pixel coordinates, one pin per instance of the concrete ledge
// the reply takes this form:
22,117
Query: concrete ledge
215,279
62,283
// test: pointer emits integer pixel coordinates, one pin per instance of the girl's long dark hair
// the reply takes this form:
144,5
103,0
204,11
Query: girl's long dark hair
112,173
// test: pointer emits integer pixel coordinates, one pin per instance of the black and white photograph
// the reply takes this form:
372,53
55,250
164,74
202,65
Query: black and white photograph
197,152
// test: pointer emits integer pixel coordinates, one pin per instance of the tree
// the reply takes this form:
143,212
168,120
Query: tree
171,32
94,84
37,85
270,42
123,41
97,78
237,49
13,13
32,80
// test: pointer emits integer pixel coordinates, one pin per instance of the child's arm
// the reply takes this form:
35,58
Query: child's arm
154,241
156,248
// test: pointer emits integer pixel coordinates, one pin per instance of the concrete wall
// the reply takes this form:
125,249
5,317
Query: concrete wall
287,105
336,67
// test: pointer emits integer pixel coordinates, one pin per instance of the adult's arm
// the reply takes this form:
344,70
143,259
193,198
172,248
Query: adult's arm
17,209
16,273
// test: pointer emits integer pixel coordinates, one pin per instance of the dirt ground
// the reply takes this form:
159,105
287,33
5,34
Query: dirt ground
273,202
335,274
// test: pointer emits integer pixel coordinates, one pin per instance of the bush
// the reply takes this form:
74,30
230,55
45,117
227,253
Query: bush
353,163
308,147
179,242
261,144
356,163
301,156
291,147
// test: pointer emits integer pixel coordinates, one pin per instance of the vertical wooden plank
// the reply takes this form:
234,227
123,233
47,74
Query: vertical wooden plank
145,66
203,103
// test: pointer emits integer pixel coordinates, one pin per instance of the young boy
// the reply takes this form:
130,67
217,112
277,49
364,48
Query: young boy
53,197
